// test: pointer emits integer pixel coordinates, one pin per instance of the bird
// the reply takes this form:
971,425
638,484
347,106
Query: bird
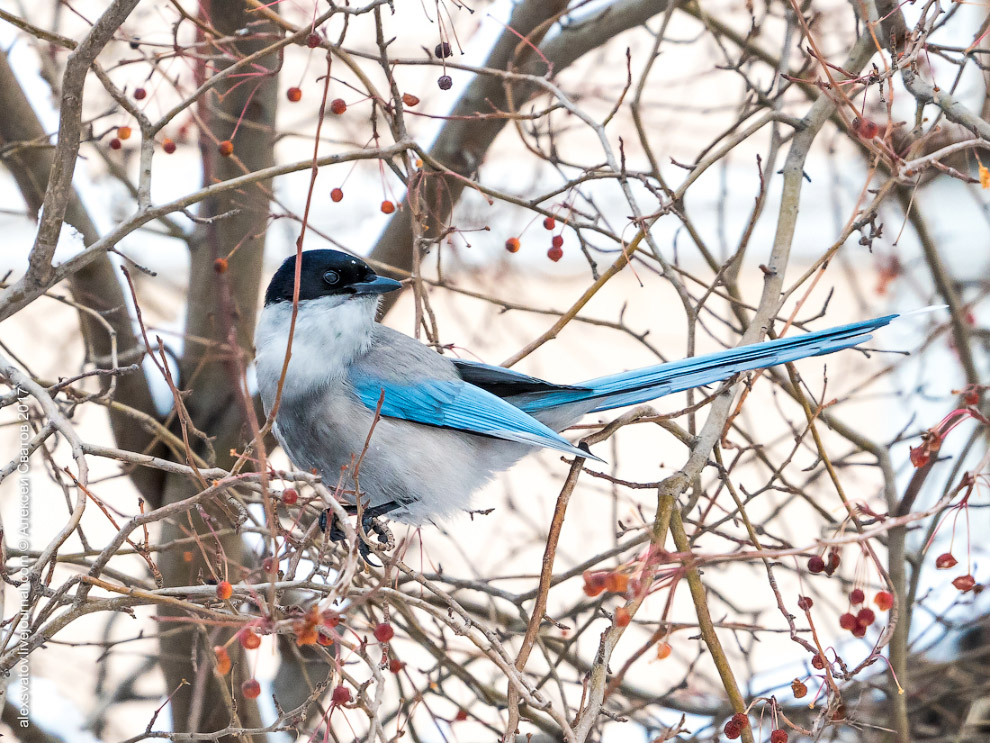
442,427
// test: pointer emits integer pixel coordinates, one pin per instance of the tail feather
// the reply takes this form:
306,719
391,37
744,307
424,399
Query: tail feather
641,385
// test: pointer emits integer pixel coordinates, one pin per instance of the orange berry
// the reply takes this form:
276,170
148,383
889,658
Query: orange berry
512,244
409,99
799,689
330,618
187,556
336,195
251,689
622,617
168,145
224,590
124,132
387,207
338,106
220,265
594,582
248,639
616,582
663,650
884,600
223,659
294,94
324,640
226,148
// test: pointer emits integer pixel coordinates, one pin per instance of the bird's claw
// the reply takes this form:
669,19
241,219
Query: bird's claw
369,525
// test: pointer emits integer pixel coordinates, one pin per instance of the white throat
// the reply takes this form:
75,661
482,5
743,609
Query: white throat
330,333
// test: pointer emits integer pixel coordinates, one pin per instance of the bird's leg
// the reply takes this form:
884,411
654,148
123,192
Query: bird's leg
368,524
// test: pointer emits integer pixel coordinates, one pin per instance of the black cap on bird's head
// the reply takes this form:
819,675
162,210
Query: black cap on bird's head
326,273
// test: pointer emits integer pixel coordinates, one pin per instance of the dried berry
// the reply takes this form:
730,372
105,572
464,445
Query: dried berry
799,689
920,456
663,650
338,106
622,617
313,40
445,83
818,661
741,718
616,582
226,148
964,583
395,665
341,695
323,639
387,207
778,736
816,564
224,590
442,50
884,600
512,244
336,195
594,582
732,730
330,618
805,603
290,496
140,94
294,94
168,145
945,561
461,715
409,99
856,596
384,632
833,562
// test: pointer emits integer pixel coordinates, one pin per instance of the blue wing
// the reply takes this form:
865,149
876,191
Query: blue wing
461,406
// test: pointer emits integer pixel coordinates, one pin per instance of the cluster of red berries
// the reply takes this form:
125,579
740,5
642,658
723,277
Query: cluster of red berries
556,251
859,622
736,724
599,581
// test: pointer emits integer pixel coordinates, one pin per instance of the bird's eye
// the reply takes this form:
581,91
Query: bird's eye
331,277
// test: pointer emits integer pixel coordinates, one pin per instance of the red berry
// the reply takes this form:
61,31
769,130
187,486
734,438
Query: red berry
847,621
833,562
290,496
226,148
330,618
224,590
549,223
251,689
741,718
778,736
445,82
818,661
622,617
338,106
964,583
816,564
409,99
856,596
395,665
336,195
294,94
865,128
140,94
920,456
555,254
594,582
387,207
799,689
267,564
115,144
512,244
168,145
557,241
324,640
123,132
732,730
461,715
884,600
866,617
340,695
805,603
313,41
384,632
248,639
859,630
945,561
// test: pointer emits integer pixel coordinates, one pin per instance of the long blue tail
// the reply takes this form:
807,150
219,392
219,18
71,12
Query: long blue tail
642,385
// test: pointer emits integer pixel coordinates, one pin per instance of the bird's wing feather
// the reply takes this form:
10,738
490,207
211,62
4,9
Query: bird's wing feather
503,382
457,405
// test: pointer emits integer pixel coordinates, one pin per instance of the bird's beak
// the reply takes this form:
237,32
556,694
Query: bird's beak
377,285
